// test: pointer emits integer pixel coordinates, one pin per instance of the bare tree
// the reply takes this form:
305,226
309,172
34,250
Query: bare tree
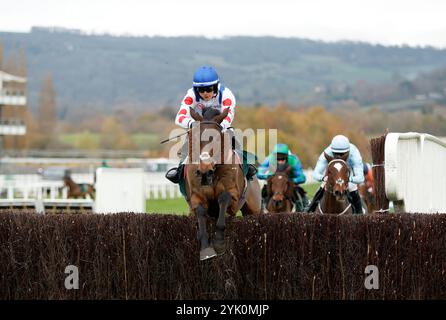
46,110
1,56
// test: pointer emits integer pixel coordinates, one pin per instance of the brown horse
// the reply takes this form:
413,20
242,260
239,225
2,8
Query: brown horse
78,190
334,199
215,184
280,191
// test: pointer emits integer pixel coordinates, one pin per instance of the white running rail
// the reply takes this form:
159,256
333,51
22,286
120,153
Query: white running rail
415,172
31,187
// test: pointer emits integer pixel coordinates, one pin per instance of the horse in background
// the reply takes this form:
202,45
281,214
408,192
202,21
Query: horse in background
76,190
280,191
214,180
335,197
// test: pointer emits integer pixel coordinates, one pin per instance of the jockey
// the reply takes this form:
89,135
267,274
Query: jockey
206,92
368,175
340,145
281,155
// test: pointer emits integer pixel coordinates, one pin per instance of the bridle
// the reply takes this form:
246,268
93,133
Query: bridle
328,187
207,177
282,193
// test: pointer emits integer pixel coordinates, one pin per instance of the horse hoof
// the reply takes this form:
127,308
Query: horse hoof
220,247
207,253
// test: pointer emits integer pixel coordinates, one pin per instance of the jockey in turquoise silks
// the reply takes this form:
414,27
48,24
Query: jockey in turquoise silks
281,156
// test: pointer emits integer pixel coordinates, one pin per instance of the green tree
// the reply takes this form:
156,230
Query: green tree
113,135
86,141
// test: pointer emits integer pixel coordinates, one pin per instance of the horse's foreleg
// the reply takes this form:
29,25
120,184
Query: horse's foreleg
206,251
224,200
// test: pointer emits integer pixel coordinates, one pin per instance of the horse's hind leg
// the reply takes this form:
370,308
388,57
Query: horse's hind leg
206,251
224,200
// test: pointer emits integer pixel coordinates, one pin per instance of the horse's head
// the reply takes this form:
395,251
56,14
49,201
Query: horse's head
66,180
280,187
211,142
338,176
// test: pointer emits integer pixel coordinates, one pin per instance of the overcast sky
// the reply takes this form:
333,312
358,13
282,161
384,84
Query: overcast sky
412,22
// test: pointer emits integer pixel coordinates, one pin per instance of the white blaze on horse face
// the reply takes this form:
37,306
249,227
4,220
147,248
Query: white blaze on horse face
338,166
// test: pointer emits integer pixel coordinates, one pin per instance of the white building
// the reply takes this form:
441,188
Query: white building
12,110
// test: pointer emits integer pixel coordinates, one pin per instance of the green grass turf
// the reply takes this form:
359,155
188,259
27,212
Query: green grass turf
179,205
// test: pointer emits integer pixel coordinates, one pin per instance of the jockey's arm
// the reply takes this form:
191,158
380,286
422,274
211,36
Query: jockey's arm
321,166
228,101
357,167
297,171
183,118
263,172
358,173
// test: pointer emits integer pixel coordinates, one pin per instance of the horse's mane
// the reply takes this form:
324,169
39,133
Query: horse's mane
210,113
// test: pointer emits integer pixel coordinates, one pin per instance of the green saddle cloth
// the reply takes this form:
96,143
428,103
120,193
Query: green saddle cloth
247,158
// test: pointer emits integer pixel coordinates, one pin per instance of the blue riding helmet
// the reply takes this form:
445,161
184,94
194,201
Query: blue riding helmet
340,144
205,76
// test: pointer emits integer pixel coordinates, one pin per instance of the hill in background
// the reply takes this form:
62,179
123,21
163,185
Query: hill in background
147,73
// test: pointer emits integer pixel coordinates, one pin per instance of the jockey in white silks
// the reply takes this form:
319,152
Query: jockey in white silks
206,92
340,145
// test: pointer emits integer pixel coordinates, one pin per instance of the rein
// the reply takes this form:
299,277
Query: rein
345,210
329,188
281,193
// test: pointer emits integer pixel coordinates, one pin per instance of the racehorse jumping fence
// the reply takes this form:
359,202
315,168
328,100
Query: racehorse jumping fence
280,256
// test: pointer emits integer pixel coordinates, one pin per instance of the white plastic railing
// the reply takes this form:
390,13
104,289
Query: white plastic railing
31,186
120,190
415,171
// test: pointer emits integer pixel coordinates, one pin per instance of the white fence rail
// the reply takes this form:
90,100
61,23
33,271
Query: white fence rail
26,187
415,172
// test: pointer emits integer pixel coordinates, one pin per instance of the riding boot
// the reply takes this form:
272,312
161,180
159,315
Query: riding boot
301,199
264,196
356,202
174,174
252,170
305,202
317,197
